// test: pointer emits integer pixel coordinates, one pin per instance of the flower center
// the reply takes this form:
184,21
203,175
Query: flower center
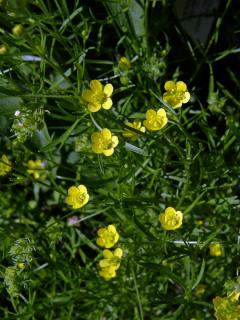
80,198
108,144
172,221
99,97
177,94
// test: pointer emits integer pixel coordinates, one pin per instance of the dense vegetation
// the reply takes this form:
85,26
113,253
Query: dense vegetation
119,171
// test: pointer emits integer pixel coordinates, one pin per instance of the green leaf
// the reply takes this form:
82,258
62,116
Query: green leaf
39,140
200,275
62,139
8,105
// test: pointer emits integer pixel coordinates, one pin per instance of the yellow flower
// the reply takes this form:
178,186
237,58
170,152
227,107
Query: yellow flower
110,263
17,30
176,94
77,196
198,222
124,63
108,273
98,96
137,125
36,168
5,165
107,237
21,265
111,258
104,142
155,120
215,249
226,308
171,219
200,290
3,49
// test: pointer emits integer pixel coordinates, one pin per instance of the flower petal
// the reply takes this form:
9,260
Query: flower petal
108,152
118,253
181,86
101,232
176,104
112,228
167,97
96,86
82,188
162,218
186,97
94,107
161,112
100,242
151,113
104,263
107,104
96,137
136,124
108,90
106,134
97,148
115,141
85,201
77,205
170,211
170,85
72,191
107,254
88,95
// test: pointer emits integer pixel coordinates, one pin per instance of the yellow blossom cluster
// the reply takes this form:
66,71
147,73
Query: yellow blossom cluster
227,308
99,97
107,238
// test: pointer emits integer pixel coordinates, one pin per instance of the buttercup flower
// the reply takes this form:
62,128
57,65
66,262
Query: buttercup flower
98,96
124,63
3,49
200,290
77,196
171,219
227,308
21,265
215,249
36,168
137,125
17,30
5,165
107,237
176,94
110,263
155,120
104,142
